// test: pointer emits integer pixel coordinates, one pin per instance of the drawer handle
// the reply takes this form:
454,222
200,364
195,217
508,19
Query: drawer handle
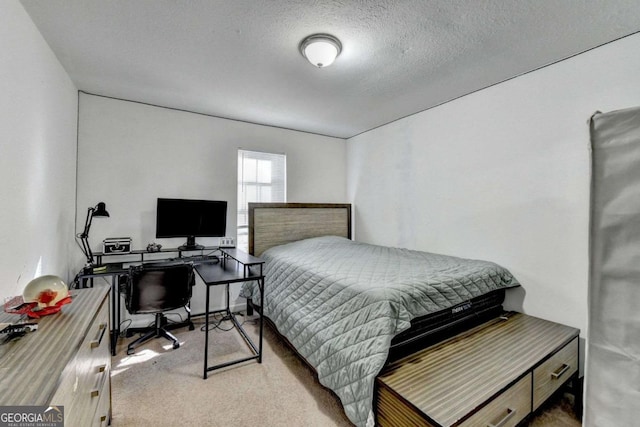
95,393
560,371
101,330
510,414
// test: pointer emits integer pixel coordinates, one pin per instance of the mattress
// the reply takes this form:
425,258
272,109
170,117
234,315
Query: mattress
341,303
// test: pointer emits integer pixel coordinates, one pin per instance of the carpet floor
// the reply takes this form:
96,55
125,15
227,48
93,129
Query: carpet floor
160,386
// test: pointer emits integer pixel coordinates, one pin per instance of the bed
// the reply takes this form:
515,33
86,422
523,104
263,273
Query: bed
348,308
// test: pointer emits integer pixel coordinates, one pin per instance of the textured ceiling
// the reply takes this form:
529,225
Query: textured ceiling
239,59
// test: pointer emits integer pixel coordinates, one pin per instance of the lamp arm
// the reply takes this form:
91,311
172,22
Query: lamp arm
84,237
87,250
87,223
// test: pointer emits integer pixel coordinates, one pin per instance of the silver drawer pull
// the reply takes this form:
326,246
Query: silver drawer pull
560,371
95,393
510,414
102,328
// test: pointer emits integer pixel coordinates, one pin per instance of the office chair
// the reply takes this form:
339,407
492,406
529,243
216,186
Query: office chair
156,288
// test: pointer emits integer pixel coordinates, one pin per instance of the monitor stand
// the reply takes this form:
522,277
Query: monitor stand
191,245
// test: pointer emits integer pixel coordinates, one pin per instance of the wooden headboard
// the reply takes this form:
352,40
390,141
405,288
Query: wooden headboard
272,224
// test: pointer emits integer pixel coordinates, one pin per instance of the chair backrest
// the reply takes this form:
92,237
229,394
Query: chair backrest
157,287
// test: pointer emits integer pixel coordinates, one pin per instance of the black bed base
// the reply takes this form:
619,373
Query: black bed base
435,327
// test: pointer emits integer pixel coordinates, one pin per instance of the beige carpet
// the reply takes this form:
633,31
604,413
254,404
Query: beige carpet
159,386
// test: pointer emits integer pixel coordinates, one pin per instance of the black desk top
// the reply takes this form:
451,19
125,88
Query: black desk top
229,271
241,256
235,266
113,268
162,250
104,270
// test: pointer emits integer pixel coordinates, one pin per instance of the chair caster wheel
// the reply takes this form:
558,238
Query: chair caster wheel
191,327
130,351
176,345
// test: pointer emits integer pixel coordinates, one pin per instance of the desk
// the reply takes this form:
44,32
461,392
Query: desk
234,267
115,271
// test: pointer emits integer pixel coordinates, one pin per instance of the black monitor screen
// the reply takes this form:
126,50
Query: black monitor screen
191,218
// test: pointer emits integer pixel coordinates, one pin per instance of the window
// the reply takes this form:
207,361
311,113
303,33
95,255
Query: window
262,177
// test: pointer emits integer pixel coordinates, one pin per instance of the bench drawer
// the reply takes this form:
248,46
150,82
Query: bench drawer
553,373
487,376
506,410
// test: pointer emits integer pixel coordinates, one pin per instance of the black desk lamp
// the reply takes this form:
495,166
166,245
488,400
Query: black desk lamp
98,210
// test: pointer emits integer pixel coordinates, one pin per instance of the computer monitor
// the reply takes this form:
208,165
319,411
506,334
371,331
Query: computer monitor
191,218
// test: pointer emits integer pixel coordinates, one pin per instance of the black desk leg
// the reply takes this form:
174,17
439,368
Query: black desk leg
261,287
228,312
115,332
206,333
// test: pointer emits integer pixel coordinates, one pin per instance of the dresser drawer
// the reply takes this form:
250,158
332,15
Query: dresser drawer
102,416
554,372
94,357
506,410
94,361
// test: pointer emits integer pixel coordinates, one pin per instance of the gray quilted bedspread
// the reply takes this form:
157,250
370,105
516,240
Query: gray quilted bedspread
341,302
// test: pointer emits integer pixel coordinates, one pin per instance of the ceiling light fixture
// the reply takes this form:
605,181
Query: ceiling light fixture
320,49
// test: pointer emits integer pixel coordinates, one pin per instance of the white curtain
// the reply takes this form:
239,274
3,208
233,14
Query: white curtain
613,352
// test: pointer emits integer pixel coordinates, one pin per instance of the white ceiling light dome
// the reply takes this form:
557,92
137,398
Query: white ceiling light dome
321,49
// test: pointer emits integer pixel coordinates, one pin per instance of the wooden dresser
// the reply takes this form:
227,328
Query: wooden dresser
493,375
66,362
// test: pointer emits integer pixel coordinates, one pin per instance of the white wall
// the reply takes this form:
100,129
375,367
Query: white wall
502,174
38,113
129,154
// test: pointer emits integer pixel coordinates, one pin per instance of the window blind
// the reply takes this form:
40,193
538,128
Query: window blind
262,178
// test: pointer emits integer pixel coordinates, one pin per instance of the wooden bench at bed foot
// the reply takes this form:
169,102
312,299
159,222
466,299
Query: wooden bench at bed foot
493,375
